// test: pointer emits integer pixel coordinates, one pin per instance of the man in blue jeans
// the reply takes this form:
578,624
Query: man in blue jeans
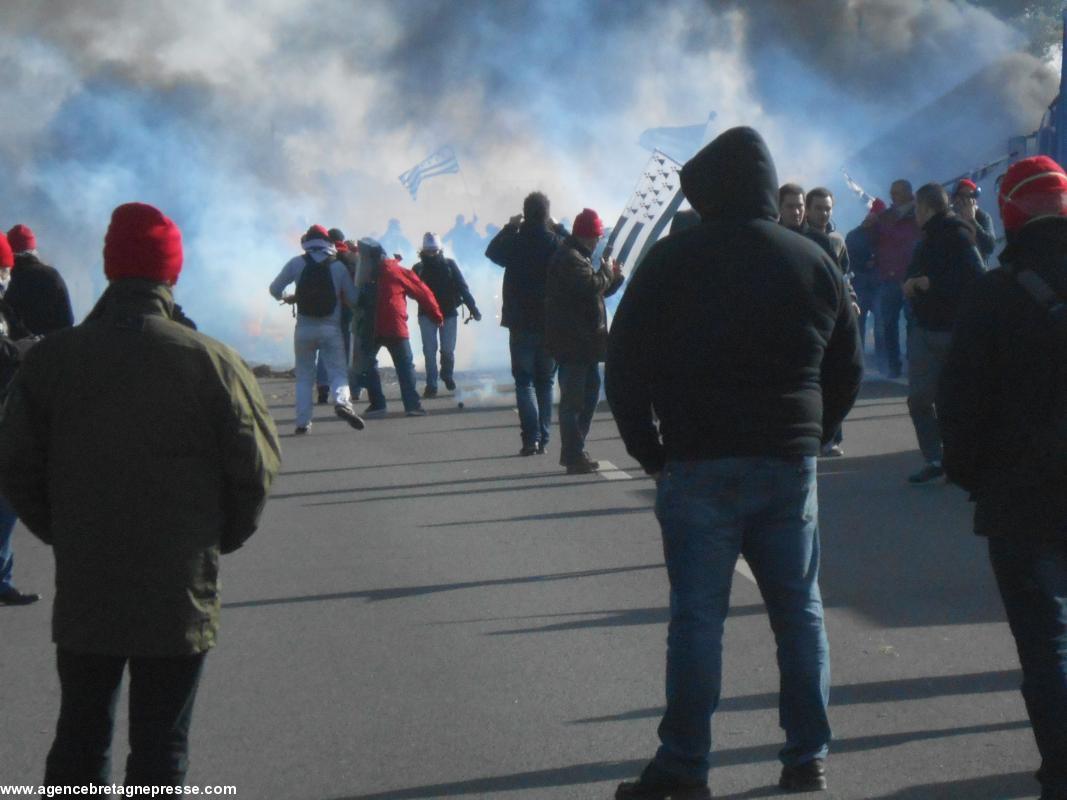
1002,413
524,247
734,456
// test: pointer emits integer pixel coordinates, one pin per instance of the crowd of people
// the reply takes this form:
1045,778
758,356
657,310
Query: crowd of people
729,426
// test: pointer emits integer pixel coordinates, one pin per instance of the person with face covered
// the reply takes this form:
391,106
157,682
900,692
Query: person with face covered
734,458
446,282
965,205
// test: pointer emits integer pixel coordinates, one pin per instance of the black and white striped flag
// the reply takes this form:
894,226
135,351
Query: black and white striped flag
648,213
441,162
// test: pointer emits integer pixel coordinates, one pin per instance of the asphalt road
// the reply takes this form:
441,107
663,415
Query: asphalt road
424,614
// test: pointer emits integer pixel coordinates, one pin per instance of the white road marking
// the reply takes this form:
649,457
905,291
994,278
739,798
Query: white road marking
610,472
744,569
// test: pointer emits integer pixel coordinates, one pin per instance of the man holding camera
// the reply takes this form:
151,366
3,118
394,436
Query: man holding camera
576,333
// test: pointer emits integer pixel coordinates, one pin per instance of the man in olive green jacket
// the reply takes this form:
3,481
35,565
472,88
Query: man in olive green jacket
139,449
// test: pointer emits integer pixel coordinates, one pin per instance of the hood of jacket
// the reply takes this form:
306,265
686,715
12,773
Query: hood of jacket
733,178
1040,245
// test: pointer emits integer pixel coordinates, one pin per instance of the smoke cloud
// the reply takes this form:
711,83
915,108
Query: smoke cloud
248,122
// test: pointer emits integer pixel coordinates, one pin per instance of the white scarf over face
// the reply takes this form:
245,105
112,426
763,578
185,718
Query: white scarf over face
320,249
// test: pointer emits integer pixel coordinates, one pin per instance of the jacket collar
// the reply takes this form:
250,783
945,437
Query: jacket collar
134,297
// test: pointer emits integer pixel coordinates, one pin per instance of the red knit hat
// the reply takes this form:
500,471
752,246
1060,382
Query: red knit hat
966,185
878,206
1032,188
21,239
587,225
7,258
142,243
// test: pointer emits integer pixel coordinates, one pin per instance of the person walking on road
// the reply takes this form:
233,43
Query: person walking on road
156,457
944,268
524,247
450,290
1002,407
576,333
895,234
323,285
734,458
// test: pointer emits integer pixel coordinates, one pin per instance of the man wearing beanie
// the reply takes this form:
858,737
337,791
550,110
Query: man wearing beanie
1002,406
323,287
860,245
347,256
446,282
37,292
728,417
576,333
524,247
965,204
156,456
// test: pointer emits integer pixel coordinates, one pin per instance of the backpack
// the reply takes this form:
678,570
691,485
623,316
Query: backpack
1049,442
316,295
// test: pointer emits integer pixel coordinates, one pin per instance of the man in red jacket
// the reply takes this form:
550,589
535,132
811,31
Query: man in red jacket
391,285
895,235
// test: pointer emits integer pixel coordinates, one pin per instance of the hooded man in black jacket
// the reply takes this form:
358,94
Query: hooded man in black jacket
523,248
944,267
1002,405
739,337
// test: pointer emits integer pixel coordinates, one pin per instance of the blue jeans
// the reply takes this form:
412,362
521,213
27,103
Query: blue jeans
579,392
7,555
448,333
710,512
890,306
404,362
534,371
1032,577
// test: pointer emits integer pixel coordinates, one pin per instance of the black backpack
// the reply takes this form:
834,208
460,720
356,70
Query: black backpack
315,292
1050,440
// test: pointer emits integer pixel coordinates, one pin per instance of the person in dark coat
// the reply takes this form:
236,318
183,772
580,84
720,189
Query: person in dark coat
156,456
524,248
37,292
945,266
1002,406
732,358
446,282
860,245
576,334
965,204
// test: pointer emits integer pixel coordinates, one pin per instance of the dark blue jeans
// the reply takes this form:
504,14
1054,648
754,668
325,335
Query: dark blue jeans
710,512
404,362
579,392
1032,577
7,556
162,693
534,371
890,307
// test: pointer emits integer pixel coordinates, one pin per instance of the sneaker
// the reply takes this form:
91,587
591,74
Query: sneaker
926,474
654,785
301,430
349,415
541,449
324,395
807,777
416,412
449,384
833,451
13,597
528,450
589,459
372,411
429,393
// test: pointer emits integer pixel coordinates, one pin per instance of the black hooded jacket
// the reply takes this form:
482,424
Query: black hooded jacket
948,257
524,252
38,294
737,333
996,394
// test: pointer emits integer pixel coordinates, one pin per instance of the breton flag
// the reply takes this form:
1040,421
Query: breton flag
649,211
440,162
867,199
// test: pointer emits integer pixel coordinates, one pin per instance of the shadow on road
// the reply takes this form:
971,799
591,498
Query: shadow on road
601,771
375,595
904,689
556,515
621,618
